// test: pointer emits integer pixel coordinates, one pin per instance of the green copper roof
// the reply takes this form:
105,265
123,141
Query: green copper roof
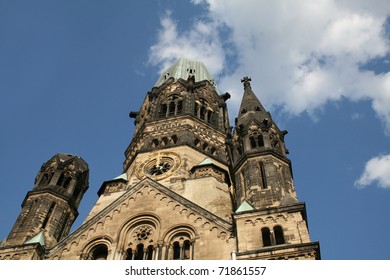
183,68
123,176
245,206
206,161
39,238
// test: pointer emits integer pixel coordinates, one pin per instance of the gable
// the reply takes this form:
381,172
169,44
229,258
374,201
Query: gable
147,205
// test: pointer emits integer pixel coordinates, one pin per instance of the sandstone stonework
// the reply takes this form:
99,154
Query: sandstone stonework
191,188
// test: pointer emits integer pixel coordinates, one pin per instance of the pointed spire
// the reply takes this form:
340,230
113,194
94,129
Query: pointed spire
250,108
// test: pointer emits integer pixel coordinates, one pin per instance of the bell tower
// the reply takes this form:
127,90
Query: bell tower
262,171
49,210
180,130
270,222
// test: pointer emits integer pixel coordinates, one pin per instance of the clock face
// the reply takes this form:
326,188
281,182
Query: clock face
161,168
159,165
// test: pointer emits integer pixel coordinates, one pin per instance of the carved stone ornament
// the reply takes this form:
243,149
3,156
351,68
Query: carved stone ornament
159,165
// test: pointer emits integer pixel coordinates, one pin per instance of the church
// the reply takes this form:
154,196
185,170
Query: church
193,187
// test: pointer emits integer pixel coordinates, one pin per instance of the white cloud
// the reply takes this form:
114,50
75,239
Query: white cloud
377,170
200,43
300,54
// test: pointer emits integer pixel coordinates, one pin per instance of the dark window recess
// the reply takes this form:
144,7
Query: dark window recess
176,251
100,252
279,236
260,141
179,107
149,253
253,142
163,110
186,250
129,254
77,191
140,252
266,235
60,180
48,214
263,175
171,109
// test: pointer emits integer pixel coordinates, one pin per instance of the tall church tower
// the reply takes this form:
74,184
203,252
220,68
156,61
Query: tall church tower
189,188
270,221
49,210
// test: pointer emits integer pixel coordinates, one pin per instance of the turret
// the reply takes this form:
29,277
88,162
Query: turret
262,171
49,210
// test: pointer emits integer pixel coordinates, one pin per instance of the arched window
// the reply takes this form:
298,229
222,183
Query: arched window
279,236
149,253
174,139
179,107
163,110
256,141
164,141
154,143
181,247
99,252
129,254
48,215
203,113
60,180
172,106
67,182
77,190
46,179
139,254
266,236
263,175
176,251
253,142
260,140
186,250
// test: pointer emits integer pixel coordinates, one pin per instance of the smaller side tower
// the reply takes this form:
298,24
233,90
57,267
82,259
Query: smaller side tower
49,210
270,222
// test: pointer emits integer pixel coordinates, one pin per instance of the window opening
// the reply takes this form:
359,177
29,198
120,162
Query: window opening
176,250
279,237
263,175
266,235
139,252
100,252
163,110
171,108
179,107
48,215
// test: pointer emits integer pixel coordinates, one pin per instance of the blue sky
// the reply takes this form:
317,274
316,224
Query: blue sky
71,71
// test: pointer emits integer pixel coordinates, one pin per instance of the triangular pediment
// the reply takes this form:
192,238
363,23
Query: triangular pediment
146,192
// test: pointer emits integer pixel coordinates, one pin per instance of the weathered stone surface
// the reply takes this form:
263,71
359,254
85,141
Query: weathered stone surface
189,188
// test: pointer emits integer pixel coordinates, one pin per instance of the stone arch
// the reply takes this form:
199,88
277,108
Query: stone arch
139,230
98,248
180,241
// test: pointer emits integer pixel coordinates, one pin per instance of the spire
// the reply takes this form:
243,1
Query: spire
250,107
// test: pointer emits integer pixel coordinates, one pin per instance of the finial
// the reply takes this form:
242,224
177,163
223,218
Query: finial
246,81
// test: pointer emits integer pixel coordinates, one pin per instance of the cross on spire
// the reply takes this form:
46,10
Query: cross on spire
246,81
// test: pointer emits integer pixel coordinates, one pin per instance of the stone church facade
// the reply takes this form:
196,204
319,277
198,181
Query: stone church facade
192,186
